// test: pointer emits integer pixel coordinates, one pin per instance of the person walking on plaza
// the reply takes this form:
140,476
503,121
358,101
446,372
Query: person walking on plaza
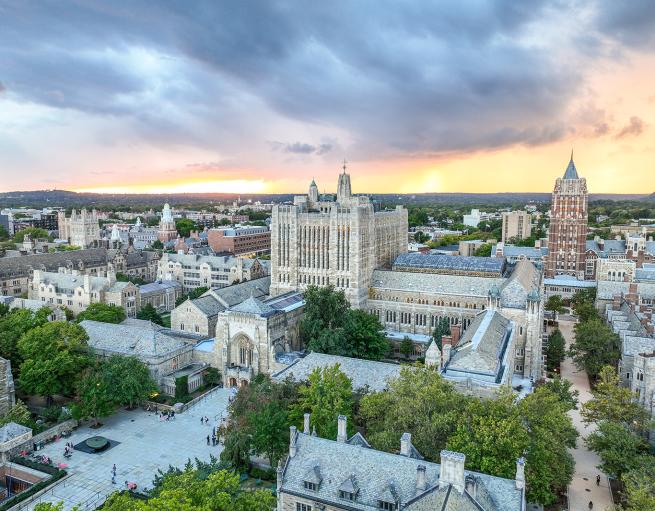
207,439
591,505
598,480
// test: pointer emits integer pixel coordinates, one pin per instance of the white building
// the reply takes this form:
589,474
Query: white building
80,229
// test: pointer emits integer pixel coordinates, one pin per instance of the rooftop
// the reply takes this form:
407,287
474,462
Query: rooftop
458,265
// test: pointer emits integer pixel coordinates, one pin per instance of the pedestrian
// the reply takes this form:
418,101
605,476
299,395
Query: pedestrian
591,505
113,479
202,420
598,480
113,469
207,439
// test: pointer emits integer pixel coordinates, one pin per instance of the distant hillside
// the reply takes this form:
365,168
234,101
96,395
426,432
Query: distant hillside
63,198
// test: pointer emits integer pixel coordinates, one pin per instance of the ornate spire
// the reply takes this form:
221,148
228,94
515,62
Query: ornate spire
571,171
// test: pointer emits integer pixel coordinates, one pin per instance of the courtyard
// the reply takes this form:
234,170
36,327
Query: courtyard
145,444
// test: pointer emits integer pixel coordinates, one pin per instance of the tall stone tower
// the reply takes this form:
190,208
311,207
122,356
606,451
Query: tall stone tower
568,225
340,243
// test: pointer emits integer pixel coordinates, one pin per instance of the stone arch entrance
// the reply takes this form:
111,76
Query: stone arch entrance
232,382
244,383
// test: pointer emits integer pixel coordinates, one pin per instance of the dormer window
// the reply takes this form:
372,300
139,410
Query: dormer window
312,479
349,489
311,486
386,506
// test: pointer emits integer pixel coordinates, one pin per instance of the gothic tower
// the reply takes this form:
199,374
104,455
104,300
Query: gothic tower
568,225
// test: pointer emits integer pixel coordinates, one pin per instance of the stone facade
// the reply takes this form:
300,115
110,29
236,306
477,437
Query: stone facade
162,294
167,230
194,271
323,242
77,291
80,229
567,233
7,389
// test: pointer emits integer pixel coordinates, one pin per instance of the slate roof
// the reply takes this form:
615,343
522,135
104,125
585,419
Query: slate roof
363,373
516,251
438,263
12,430
219,299
254,306
462,285
139,338
384,475
609,247
11,267
607,289
571,171
633,345
159,286
481,350
68,283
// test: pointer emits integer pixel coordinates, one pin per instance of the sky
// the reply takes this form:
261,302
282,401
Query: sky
262,96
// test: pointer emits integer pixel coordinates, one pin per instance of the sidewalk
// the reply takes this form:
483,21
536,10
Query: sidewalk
583,487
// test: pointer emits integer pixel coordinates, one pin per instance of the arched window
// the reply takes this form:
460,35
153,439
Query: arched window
245,353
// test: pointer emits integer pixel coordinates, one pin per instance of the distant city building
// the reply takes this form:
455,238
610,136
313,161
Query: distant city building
514,253
80,229
322,242
476,216
77,292
634,250
516,225
167,230
567,233
470,247
243,241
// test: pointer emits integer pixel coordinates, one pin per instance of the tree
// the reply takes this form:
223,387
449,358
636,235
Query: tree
184,226
441,328
157,244
54,354
586,312
12,327
191,295
555,304
640,484
419,401
236,450
129,380
562,389
134,279
107,313
587,295
595,346
328,394
149,313
4,235
406,346
617,446
325,309
18,414
95,397
614,403
556,350
365,335
269,436
34,232
483,250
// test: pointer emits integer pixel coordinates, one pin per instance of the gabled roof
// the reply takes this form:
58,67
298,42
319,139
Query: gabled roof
254,306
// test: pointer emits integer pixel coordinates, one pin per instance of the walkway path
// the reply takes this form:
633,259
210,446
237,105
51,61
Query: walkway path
146,444
583,487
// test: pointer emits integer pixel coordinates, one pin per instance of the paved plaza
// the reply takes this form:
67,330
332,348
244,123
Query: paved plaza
583,487
146,444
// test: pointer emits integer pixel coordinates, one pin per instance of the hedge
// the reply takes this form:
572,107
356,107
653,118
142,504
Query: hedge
55,475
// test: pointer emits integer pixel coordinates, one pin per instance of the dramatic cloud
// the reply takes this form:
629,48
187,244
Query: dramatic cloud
634,128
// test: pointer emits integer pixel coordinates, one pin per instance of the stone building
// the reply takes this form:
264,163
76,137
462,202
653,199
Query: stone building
162,294
135,263
193,271
635,250
167,229
251,334
80,229
200,315
419,290
77,291
167,354
567,233
516,225
317,241
347,474
7,389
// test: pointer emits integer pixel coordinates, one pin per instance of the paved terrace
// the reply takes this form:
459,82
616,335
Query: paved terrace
146,444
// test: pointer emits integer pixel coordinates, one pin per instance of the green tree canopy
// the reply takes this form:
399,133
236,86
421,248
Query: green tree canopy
327,394
556,350
191,295
12,327
441,328
157,244
149,313
640,484
129,380
365,335
94,396
555,304
34,232
406,346
562,389
617,446
184,226
18,414
54,355
102,312
595,346
325,309
614,403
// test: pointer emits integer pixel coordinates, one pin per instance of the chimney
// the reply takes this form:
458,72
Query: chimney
455,332
87,283
452,469
520,473
342,430
406,444
305,428
293,435
446,345
421,484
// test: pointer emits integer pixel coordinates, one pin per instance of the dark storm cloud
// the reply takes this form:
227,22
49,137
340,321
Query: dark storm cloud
410,78
631,22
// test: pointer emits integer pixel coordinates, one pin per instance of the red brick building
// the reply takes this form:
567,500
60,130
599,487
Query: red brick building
567,233
240,240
